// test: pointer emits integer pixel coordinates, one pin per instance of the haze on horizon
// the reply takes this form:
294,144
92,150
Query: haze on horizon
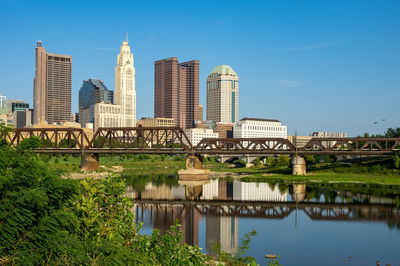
315,65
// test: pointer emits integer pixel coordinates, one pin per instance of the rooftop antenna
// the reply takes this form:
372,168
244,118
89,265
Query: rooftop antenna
126,36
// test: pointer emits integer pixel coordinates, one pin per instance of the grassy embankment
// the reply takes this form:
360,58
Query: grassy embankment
368,171
319,172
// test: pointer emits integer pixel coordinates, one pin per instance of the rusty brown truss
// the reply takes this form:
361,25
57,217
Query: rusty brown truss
173,140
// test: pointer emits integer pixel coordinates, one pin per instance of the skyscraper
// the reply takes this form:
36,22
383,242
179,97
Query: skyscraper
92,91
123,112
125,92
223,95
189,89
52,86
176,91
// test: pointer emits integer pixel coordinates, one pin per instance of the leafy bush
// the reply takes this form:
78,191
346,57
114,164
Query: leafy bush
271,161
257,162
310,159
329,158
240,258
239,163
283,161
396,161
45,219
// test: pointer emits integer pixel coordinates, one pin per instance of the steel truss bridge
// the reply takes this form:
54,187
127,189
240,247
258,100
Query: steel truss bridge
173,140
277,210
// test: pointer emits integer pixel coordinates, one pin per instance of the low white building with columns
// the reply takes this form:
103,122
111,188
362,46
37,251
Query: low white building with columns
259,128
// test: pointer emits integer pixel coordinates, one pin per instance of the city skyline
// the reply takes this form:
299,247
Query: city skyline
283,69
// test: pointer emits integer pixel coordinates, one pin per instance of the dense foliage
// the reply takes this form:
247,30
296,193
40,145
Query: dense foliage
390,133
45,219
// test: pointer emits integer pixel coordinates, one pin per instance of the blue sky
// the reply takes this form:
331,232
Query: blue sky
314,65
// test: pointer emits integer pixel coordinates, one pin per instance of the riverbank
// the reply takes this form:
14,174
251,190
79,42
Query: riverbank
170,165
339,174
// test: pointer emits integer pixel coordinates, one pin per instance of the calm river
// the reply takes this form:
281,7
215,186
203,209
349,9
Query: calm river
305,224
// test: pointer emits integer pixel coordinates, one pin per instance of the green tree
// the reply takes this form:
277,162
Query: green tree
257,162
283,161
396,161
310,159
239,163
392,133
32,210
271,161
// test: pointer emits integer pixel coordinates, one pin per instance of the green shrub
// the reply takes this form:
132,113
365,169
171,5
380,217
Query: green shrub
396,161
310,159
239,163
240,258
257,162
45,219
283,161
271,161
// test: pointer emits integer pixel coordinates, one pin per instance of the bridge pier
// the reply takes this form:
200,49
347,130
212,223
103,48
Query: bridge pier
299,165
89,162
299,192
248,161
194,169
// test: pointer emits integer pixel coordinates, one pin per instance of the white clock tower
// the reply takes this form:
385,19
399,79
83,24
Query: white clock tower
125,93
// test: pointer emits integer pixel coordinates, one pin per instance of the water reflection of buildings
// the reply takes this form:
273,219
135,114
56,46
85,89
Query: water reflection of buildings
241,191
220,229
224,231
223,202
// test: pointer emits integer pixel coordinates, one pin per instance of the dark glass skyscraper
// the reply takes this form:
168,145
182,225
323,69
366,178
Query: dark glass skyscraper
92,91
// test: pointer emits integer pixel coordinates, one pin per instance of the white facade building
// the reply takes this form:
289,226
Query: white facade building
258,192
195,135
123,112
107,115
223,95
125,93
259,128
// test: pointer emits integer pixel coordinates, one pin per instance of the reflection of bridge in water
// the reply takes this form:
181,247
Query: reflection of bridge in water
279,210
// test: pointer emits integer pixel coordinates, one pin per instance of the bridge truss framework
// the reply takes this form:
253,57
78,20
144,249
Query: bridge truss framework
173,140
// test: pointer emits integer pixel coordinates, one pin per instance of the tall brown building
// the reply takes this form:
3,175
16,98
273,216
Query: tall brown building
52,86
176,91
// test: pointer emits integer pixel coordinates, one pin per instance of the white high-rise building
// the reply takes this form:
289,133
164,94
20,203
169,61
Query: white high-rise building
223,95
125,93
123,112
